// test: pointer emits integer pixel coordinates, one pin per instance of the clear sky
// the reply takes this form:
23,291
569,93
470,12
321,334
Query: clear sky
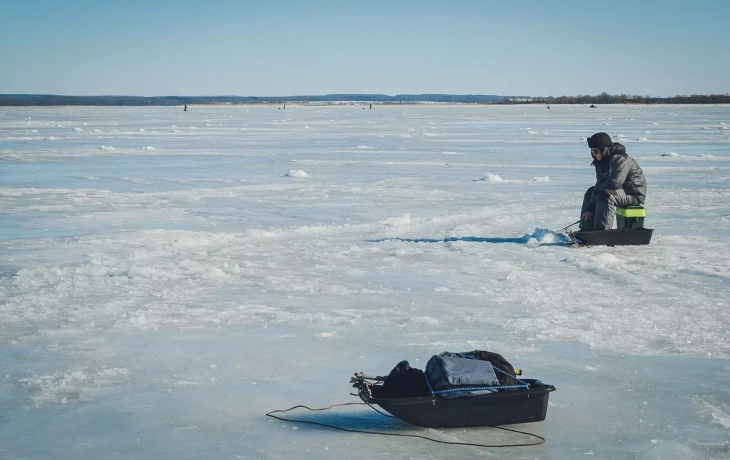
280,48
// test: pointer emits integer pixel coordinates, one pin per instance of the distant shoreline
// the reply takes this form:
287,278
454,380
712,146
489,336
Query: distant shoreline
50,100
354,104
329,99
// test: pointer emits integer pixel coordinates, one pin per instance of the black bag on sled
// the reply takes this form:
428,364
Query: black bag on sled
405,382
450,373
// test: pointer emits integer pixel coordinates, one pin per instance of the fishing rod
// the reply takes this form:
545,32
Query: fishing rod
568,226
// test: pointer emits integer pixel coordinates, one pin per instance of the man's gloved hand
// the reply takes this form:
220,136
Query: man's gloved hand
587,216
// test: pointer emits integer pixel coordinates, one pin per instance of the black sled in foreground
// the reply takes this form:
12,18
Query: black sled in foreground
630,231
457,390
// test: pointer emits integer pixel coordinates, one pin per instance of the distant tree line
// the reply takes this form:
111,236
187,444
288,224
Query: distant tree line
51,100
605,98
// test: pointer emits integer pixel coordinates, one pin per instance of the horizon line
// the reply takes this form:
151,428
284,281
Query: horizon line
355,94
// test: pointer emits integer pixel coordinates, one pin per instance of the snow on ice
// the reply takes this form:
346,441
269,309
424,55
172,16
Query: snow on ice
296,173
492,178
124,276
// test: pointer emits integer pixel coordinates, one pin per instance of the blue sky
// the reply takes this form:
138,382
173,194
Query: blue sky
279,48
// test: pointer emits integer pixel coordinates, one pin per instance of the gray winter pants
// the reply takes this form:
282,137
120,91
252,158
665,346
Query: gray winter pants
606,204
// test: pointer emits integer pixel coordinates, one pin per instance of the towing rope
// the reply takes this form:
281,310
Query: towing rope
350,430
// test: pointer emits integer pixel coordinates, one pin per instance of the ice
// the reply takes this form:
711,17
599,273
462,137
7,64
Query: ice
296,173
157,303
62,387
327,335
544,236
492,178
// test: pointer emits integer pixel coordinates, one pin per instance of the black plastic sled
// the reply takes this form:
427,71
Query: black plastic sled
615,237
498,408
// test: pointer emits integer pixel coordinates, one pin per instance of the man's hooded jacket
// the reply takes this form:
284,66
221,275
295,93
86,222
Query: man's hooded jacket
616,170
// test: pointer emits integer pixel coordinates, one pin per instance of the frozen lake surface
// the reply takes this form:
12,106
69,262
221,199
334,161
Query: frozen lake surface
168,277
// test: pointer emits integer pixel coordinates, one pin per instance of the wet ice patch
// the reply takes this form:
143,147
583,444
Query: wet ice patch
716,407
298,173
710,448
668,450
136,180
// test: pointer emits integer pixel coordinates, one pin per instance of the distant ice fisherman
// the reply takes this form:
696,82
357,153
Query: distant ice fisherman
619,182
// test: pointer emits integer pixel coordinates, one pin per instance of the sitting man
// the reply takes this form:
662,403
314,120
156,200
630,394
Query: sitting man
619,182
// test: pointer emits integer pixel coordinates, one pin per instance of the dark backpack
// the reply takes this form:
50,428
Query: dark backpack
405,382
